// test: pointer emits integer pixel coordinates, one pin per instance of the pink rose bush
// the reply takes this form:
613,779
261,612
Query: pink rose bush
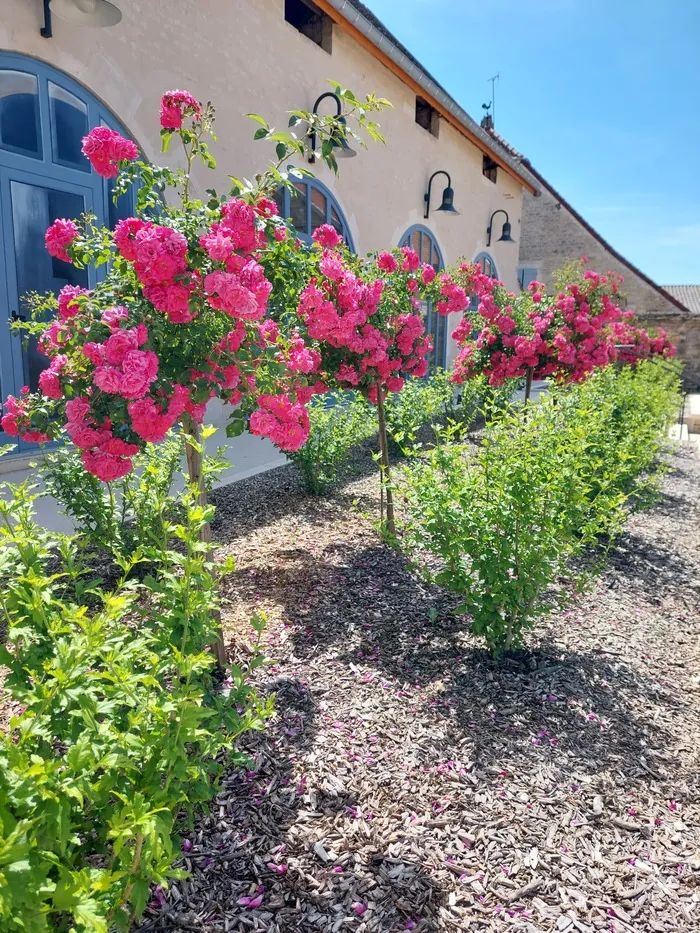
566,337
633,343
364,318
193,307
181,317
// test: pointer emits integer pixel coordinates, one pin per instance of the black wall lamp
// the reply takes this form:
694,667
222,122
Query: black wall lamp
340,143
448,196
505,236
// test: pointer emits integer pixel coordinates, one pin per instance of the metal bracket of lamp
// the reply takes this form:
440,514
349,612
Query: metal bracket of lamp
340,143
505,236
95,13
448,196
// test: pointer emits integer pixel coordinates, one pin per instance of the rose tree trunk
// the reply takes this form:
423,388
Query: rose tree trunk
193,452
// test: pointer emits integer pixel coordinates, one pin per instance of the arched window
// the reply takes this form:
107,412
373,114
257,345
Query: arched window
424,243
488,266
44,115
312,206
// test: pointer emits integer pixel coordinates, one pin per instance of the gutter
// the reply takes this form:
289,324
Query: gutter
347,15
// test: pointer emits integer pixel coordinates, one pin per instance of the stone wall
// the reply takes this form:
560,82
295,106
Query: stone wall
551,235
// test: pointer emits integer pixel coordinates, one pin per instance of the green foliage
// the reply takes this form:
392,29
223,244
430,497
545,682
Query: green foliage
421,401
475,399
548,481
118,731
339,422
120,517
436,400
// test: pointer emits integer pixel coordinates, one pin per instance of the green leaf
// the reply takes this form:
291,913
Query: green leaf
235,428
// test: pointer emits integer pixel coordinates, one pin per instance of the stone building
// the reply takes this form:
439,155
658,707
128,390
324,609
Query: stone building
58,79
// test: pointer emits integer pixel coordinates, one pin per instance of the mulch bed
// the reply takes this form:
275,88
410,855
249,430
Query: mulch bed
408,781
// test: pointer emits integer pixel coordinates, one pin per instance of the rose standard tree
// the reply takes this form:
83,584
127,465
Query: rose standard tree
362,320
180,317
534,336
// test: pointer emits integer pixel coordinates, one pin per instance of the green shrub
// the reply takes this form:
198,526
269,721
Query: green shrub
119,517
421,401
339,422
476,399
547,482
118,732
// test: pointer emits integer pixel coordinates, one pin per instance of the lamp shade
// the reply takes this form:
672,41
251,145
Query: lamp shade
505,236
447,205
94,13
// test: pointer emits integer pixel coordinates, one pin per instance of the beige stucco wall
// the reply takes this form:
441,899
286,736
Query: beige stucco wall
242,55
551,235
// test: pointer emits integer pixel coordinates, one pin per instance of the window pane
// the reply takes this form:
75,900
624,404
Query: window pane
19,113
279,200
416,241
33,209
427,249
318,208
122,209
69,117
337,222
297,209
440,339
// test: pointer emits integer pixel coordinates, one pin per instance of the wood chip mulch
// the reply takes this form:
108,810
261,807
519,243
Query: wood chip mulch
409,782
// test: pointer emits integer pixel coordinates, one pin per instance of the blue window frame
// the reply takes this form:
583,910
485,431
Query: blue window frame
525,276
312,206
424,243
44,115
488,267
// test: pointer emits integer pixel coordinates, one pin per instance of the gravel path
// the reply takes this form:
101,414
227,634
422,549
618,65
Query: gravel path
409,782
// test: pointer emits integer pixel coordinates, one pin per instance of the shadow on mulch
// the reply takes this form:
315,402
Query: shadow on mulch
550,706
267,497
645,565
226,863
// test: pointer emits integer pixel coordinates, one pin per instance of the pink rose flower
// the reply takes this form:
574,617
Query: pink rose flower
108,379
60,235
106,149
326,236
105,466
68,307
50,384
175,106
387,263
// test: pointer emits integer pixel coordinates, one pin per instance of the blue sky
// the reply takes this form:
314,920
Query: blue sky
603,97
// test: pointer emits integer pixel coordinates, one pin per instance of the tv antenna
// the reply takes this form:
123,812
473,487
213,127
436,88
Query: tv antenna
492,106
